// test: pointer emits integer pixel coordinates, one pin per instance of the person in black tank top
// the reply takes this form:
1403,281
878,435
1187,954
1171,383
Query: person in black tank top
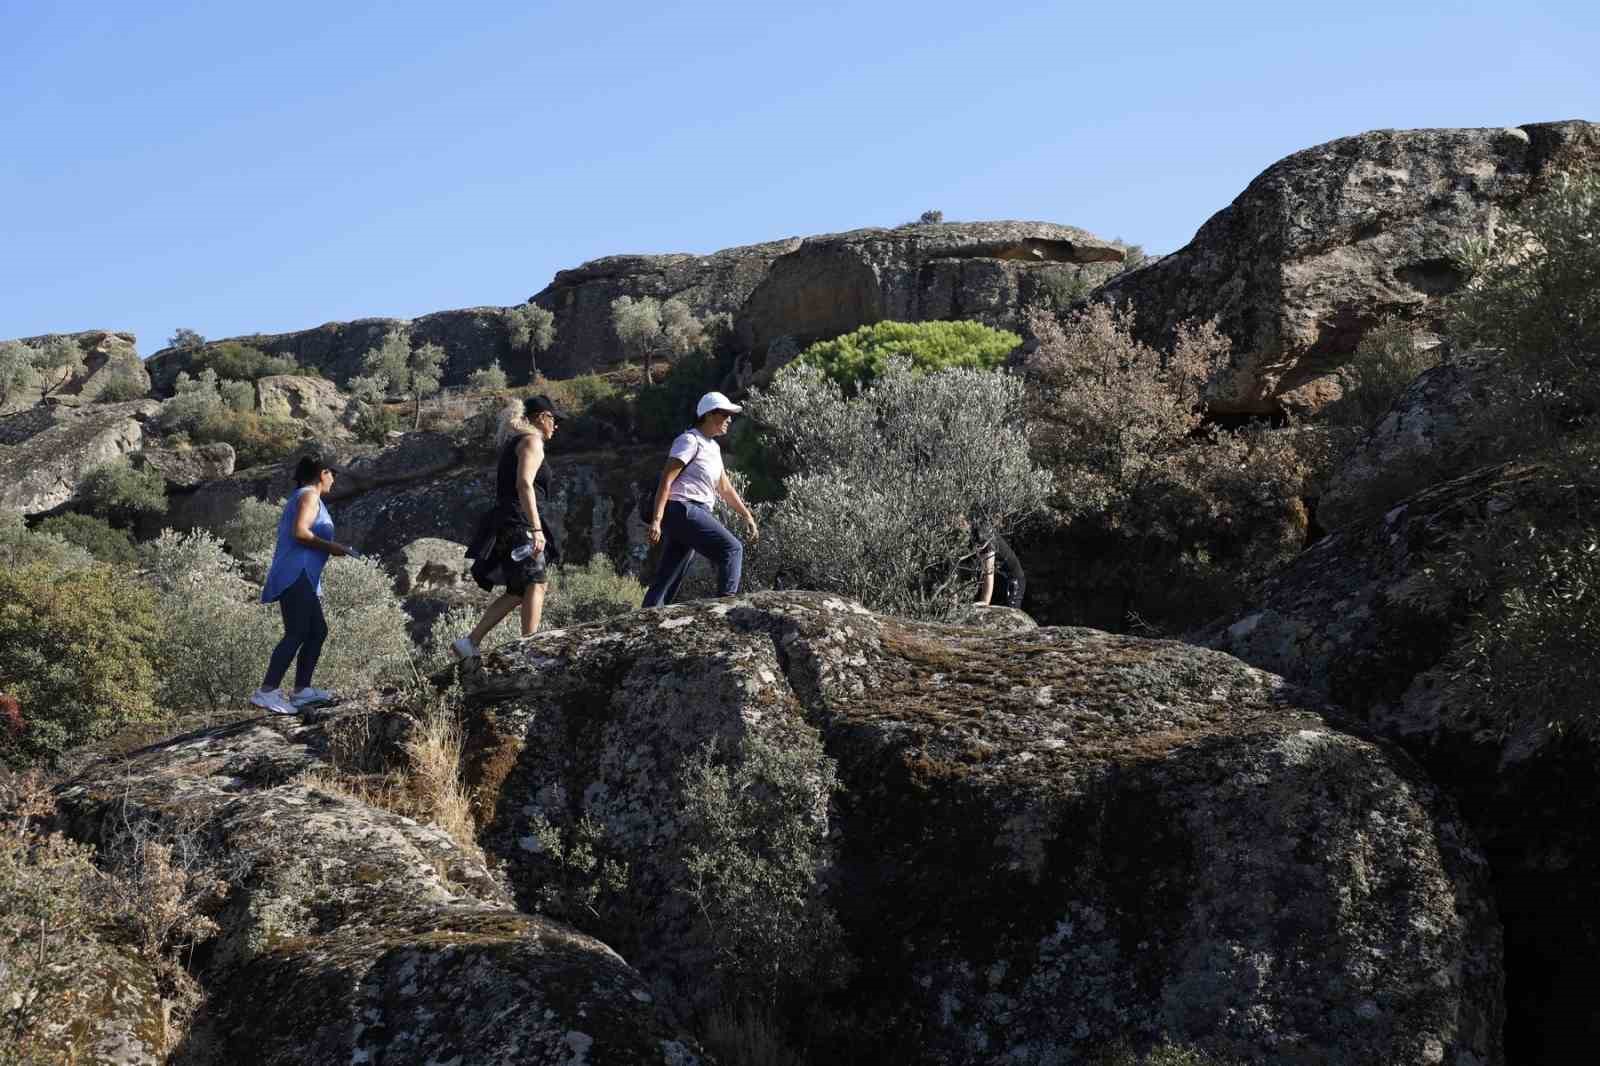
523,545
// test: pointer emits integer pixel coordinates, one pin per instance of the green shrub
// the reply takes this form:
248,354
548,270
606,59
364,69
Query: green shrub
888,479
369,641
94,535
77,650
220,637
755,838
256,439
237,395
17,372
119,493
489,379
240,362
125,381
193,400
252,530
665,409
857,358
458,622
587,593
374,422
1533,289
1386,361
20,546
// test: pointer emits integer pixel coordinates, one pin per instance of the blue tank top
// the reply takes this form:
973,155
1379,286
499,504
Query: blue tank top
290,558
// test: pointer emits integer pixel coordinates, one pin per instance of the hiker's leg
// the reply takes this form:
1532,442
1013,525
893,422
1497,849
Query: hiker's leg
711,538
311,650
675,557
491,618
532,608
293,606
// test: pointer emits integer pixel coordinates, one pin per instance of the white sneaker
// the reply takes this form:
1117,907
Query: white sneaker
463,648
310,695
272,699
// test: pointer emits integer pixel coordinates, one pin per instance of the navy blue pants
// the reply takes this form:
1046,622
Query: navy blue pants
304,630
687,528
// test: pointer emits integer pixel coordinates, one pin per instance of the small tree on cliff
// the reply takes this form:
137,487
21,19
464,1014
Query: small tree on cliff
61,355
533,330
397,370
17,372
650,329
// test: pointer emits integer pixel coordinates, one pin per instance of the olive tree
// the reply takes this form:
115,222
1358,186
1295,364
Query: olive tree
890,481
17,371
397,369
533,330
649,329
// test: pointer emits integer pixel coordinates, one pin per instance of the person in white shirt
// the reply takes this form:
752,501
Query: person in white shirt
690,484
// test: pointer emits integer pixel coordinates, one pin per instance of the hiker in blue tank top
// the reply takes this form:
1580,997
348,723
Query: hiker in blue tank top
294,583
691,483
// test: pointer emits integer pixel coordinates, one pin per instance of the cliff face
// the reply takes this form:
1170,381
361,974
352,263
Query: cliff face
1040,842
1329,240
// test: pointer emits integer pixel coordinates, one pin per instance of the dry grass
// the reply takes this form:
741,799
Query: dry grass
434,749
747,1036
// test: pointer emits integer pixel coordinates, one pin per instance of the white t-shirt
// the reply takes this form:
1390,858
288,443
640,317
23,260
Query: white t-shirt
702,471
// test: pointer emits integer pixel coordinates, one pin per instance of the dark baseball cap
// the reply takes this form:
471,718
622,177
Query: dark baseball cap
534,406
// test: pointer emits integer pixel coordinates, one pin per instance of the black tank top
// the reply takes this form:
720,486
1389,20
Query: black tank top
505,487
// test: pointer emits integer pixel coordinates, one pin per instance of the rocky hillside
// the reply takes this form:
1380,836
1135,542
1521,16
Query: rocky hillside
1030,844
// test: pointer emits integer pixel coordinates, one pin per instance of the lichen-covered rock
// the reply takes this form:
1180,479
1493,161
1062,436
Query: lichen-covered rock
57,445
1434,427
187,468
1365,617
1044,841
1325,242
117,1017
580,298
358,935
106,355
428,563
299,396
987,271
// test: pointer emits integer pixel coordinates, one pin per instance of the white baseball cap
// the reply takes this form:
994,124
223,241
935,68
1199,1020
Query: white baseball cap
715,401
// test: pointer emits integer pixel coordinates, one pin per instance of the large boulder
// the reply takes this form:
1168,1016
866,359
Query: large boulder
1331,239
580,298
1042,841
1367,617
299,396
188,468
353,934
472,338
107,355
48,450
988,271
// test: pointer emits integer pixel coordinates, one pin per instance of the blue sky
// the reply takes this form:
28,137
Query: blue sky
236,168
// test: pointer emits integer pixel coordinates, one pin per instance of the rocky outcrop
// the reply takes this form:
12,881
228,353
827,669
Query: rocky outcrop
352,934
472,338
1435,430
187,468
299,396
48,450
1327,241
1368,617
1042,841
107,355
428,564
987,271
580,298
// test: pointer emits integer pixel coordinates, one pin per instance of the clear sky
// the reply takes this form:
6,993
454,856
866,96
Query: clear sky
236,167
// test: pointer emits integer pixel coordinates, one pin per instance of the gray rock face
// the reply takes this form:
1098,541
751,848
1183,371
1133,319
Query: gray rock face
987,271
580,298
358,935
472,338
1044,841
428,564
105,354
1431,428
1330,239
299,396
1358,617
191,467
55,446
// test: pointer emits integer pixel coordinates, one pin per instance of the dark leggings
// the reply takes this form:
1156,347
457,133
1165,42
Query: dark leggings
304,630
686,529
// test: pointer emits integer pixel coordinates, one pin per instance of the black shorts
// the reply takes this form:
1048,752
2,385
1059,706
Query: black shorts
530,571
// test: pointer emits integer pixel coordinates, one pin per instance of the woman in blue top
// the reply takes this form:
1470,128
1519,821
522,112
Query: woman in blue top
294,583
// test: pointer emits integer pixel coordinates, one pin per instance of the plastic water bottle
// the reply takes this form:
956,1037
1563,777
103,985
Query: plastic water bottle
521,552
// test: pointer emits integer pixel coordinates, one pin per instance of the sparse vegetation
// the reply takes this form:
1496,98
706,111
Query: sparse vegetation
489,379
1387,360
94,535
17,371
234,361
124,381
120,494
588,593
